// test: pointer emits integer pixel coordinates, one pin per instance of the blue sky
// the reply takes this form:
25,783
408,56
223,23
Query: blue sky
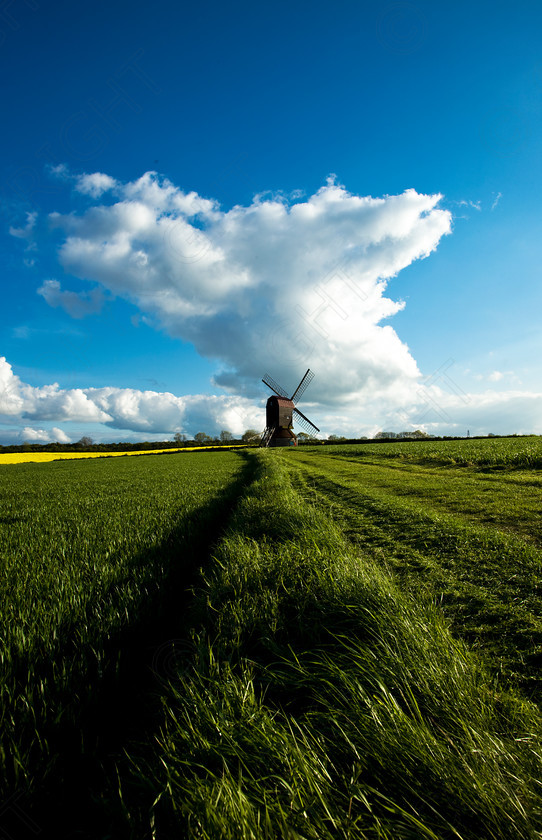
292,220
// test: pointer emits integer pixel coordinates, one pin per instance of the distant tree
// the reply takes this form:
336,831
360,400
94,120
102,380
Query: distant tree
179,438
250,434
201,437
335,437
417,435
225,436
85,441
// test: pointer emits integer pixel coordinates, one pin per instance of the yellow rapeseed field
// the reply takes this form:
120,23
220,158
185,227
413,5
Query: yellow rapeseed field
42,457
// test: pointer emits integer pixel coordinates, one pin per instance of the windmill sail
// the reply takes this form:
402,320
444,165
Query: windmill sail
303,421
275,386
303,385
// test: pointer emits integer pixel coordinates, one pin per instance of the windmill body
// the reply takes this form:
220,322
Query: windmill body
279,418
281,411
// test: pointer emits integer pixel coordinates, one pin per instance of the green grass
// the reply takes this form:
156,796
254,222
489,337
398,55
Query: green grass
358,658
468,538
499,452
88,552
323,701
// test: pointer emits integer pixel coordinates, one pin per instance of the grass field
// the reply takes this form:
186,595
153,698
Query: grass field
470,537
88,551
359,657
502,452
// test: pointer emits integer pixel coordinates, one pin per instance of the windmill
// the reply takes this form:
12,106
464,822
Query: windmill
280,411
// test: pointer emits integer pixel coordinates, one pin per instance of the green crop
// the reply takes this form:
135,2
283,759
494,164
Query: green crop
357,656
327,700
87,552
487,452
470,538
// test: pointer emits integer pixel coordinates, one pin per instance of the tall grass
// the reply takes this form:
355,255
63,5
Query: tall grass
469,539
88,552
322,702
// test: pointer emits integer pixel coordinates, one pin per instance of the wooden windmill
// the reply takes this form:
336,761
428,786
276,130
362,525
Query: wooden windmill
281,412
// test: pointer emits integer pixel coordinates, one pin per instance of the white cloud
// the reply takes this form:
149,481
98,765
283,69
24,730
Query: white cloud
496,412
48,402
44,435
94,184
27,230
76,304
476,205
11,398
60,171
277,286
496,200
147,412
59,435
157,415
503,376
27,234
273,286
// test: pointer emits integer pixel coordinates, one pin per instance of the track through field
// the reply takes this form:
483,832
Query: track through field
468,538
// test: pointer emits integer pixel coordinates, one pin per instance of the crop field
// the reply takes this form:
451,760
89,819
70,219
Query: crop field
502,452
470,536
88,550
44,457
329,642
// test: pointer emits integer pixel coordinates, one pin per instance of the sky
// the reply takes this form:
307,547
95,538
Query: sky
195,195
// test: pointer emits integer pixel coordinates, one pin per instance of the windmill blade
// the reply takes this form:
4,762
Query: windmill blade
280,392
304,421
303,385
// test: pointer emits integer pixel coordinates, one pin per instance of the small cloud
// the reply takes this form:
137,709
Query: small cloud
39,435
26,231
76,304
44,435
496,200
477,205
137,319
59,435
60,171
510,375
496,376
94,184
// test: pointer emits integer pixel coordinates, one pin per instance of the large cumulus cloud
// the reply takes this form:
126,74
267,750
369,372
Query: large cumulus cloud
276,285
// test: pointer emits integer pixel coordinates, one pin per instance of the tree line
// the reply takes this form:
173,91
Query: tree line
87,444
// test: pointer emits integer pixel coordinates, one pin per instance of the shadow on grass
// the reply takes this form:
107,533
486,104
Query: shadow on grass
108,696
